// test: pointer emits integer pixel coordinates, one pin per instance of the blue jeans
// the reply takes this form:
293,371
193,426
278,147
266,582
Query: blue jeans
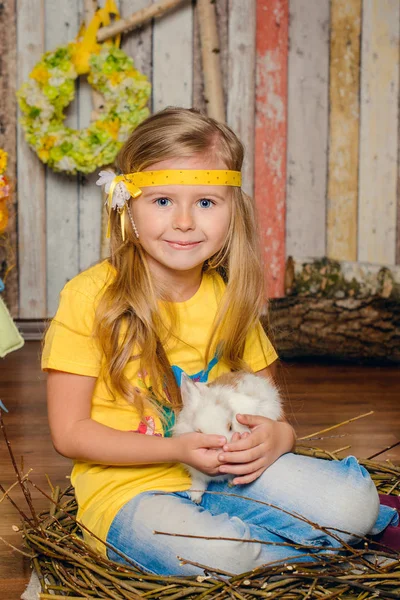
332,494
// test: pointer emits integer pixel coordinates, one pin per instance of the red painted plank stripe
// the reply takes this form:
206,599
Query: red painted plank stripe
270,137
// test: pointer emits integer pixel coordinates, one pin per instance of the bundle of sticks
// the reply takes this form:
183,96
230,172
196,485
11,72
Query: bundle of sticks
66,566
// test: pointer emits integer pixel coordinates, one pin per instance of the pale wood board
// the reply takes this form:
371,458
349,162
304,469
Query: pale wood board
173,59
198,100
241,86
138,43
270,138
30,174
62,232
344,89
8,142
398,196
307,127
90,196
398,199
222,9
378,133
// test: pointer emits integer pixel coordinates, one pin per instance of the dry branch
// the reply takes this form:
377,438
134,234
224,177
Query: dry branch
210,51
66,566
137,19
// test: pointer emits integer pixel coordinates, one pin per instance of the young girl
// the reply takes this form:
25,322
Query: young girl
182,292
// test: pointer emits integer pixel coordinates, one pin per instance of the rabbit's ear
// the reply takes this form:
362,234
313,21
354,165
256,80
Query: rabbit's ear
189,390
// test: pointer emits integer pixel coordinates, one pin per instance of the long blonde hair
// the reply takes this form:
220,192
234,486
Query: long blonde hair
128,316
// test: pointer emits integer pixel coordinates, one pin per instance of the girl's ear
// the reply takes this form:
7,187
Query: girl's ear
189,390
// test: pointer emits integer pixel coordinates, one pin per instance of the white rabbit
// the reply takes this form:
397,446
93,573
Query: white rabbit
212,409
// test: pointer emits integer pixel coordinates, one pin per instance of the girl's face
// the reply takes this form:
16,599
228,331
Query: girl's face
181,226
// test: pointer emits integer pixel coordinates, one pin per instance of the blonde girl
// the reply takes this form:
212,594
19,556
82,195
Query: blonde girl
182,292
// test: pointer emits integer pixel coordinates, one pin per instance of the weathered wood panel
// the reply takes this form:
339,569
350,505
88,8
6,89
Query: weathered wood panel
398,199
31,175
398,202
137,43
173,59
8,141
344,89
307,127
241,86
270,137
90,196
62,232
320,218
379,125
198,100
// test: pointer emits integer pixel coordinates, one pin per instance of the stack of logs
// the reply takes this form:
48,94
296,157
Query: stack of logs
342,310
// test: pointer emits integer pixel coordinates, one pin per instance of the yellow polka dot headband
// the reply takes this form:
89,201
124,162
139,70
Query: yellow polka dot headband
119,188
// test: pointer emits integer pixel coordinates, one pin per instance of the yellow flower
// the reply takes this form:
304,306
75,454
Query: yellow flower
3,217
81,53
43,154
40,74
112,127
3,160
116,78
48,142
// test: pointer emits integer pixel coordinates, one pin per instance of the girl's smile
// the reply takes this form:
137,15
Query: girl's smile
181,226
182,245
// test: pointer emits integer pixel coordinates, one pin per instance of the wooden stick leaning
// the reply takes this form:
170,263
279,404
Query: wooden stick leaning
137,19
210,51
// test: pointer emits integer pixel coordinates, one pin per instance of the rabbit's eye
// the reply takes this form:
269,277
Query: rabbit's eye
229,426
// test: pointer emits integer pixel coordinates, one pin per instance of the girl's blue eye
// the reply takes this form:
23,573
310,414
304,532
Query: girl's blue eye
205,203
163,201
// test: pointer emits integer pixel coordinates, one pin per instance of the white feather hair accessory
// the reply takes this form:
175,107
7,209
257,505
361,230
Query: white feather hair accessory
120,193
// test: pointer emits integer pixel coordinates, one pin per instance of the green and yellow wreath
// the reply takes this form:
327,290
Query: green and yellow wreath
51,88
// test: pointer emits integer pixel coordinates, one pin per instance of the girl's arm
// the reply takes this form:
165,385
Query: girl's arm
76,435
249,456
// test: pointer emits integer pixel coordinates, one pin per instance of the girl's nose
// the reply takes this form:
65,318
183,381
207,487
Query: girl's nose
183,219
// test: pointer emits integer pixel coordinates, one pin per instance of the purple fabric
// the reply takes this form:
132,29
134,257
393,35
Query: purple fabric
391,535
392,501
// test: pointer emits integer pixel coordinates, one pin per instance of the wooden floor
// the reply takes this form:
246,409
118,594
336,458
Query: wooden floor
317,396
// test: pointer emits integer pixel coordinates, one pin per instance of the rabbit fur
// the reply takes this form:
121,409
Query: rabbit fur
212,409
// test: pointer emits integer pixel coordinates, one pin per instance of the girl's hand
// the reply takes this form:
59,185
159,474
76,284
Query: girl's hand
200,451
251,453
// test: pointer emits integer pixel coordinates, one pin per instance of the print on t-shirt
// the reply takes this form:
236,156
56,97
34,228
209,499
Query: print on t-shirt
147,426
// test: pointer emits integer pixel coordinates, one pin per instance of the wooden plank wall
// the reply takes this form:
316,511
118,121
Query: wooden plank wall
307,127
62,193
8,142
270,137
31,175
344,101
312,88
378,128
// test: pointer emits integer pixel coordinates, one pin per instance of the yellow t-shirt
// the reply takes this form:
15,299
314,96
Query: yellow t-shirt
101,490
